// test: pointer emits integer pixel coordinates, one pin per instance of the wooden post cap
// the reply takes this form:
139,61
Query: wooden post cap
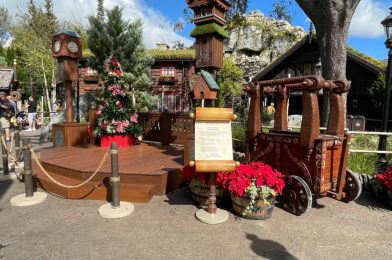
191,163
192,115
234,117
237,164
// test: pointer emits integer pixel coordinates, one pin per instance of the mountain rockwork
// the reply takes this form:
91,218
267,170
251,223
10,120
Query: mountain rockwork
260,41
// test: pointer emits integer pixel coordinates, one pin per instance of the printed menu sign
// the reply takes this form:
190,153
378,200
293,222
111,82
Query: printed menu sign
213,140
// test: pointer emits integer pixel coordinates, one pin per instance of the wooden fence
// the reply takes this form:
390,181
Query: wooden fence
165,128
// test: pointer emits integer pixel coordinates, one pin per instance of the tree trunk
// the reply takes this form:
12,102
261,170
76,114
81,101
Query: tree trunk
331,19
46,89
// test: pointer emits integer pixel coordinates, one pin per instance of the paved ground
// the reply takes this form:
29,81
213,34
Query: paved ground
166,228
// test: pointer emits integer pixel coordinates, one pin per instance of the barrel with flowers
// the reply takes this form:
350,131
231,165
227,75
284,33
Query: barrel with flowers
253,188
199,186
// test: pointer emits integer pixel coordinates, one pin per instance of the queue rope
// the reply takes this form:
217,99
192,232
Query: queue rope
106,155
14,160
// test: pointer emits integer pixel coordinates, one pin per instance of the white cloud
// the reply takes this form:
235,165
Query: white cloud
367,18
156,27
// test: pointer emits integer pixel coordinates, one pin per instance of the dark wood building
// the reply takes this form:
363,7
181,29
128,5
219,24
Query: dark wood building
301,60
171,73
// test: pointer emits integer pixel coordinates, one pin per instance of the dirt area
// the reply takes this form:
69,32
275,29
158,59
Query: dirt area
166,228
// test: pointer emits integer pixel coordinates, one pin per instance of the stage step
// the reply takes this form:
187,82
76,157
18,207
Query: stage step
93,190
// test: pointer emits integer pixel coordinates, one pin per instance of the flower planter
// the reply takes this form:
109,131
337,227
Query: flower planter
121,140
389,195
201,191
261,209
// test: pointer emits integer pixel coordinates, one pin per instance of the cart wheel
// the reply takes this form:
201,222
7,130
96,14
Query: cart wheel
296,197
353,186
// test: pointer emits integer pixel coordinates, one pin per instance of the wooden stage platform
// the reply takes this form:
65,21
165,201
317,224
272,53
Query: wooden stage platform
146,170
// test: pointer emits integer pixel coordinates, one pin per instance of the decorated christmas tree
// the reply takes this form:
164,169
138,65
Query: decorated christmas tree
116,109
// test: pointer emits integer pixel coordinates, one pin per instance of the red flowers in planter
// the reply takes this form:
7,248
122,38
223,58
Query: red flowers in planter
253,174
385,178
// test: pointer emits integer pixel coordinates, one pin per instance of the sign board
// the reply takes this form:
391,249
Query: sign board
213,141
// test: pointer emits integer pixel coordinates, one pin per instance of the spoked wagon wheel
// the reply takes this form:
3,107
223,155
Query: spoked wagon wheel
353,186
296,197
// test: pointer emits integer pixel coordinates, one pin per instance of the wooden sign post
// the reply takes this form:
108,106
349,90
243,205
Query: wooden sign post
213,154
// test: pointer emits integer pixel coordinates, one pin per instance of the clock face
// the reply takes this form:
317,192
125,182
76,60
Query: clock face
56,46
73,47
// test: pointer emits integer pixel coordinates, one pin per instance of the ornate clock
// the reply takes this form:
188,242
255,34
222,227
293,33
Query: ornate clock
67,44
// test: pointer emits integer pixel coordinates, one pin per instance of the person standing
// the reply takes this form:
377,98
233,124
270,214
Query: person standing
5,115
14,110
31,113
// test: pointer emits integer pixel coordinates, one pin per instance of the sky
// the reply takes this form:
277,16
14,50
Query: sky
159,16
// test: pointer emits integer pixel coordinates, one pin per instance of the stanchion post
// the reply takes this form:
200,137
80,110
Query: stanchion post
27,172
30,197
4,156
17,146
116,208
115,179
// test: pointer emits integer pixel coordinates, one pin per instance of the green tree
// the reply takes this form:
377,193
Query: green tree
5,23
100,10
32,44
281,10
230,80
120,39
377,92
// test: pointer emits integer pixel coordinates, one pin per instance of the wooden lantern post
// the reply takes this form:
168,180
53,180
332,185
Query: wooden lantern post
67,49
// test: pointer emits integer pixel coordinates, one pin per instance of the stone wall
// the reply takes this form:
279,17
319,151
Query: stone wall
260,41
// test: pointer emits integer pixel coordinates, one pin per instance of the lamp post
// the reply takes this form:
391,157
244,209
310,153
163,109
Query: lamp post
387,23
318,68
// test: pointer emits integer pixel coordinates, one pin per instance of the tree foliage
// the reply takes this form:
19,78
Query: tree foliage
377,92
281,10
32,41
5,23
120,39
230,80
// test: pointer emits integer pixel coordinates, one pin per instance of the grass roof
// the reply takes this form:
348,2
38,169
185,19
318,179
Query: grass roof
209,28
172,54
367,58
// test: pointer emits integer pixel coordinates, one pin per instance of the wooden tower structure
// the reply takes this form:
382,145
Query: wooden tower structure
67,49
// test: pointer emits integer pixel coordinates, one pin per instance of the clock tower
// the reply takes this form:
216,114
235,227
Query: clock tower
67,49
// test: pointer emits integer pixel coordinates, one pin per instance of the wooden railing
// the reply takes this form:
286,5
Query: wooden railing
165,128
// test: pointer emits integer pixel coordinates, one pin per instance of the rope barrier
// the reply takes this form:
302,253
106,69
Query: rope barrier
14,160
106,155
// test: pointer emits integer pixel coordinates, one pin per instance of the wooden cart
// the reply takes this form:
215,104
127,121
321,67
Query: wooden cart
312,163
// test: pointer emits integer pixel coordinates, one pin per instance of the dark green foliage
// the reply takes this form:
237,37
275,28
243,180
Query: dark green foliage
209,28
100,10
120,39
377,92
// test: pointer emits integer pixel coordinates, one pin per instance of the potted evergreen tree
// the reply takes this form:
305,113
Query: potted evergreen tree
117,116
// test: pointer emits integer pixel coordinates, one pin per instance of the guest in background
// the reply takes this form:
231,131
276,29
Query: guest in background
15,111
6,113
31,113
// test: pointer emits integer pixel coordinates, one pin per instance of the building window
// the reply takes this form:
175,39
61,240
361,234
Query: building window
355,103
178,103
167,71
203,12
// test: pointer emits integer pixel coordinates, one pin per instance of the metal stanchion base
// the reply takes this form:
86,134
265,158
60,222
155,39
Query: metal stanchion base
23,201
219,217
107,211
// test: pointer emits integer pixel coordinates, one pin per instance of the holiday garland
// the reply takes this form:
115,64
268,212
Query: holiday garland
116,112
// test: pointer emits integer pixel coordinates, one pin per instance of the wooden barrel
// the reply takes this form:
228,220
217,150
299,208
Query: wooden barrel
389,194
261,210
201,191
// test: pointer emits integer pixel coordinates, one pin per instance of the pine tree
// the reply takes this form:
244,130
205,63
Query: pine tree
120,39
100,10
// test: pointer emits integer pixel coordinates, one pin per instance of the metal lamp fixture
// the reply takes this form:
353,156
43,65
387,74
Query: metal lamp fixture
387,23
318,68
382,162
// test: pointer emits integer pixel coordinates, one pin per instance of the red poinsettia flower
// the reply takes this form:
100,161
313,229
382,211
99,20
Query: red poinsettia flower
385,178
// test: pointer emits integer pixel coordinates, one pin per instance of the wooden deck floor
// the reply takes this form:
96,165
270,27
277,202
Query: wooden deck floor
150,169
